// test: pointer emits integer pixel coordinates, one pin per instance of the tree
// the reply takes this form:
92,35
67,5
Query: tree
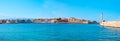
58,19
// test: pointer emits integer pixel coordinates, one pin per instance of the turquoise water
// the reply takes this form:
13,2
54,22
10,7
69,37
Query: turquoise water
58,32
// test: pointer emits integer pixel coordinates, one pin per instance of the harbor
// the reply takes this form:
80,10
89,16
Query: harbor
59,20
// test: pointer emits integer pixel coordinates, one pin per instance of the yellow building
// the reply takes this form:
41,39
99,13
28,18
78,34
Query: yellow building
38,20
54,20
74,20
85,21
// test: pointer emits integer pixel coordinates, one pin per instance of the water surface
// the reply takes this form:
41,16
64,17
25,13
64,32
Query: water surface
58,32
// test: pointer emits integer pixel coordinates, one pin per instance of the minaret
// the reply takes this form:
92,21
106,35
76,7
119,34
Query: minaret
101,18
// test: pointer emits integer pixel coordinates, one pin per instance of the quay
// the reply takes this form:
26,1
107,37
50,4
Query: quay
114,24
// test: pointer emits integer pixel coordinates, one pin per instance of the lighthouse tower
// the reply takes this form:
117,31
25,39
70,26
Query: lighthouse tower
101,17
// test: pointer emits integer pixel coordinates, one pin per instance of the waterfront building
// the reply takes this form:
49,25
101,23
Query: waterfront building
46,21
7,21
38,20
85,21
28,21
74,20
3,21
0,21
12,21
21,21
63,20
16,21
54,20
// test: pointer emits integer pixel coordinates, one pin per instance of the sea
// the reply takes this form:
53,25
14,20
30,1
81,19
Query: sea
58,32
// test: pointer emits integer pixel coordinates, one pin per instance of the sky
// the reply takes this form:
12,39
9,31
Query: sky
82,9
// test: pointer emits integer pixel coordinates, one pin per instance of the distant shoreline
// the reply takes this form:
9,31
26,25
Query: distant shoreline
44,23
71,20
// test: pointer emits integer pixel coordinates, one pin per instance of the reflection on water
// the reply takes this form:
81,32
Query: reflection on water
58,32
113,28
110,34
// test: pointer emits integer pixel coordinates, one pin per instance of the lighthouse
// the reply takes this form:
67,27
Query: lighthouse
101,19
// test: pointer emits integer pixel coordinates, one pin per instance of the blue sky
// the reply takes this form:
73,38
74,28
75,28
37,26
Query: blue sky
82,9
